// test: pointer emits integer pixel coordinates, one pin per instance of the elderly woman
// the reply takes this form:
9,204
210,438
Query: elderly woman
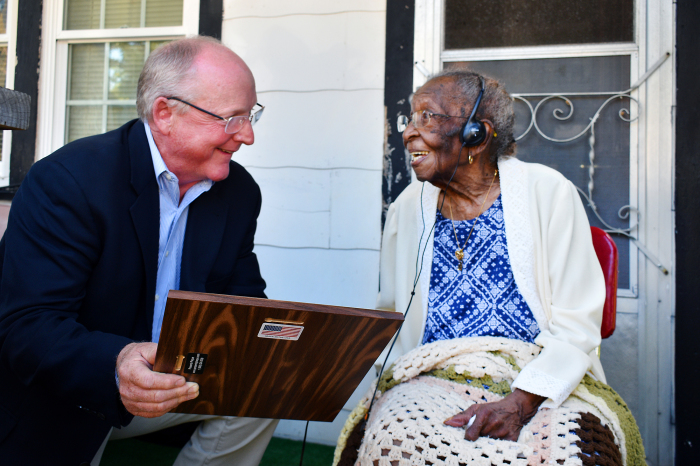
496,360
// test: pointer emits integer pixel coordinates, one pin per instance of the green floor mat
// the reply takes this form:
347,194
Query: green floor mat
280,452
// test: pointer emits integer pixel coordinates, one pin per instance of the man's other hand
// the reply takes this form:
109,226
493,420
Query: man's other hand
146,393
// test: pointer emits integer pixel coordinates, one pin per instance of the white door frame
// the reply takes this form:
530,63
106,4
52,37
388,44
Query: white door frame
652,293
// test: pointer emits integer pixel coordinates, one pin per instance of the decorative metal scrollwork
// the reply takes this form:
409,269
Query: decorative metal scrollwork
558,113
565,114
562,115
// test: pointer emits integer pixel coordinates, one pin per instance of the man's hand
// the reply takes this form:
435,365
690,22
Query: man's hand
146,393
501,419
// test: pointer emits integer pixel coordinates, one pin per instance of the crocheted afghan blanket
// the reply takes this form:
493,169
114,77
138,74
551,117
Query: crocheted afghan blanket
593,426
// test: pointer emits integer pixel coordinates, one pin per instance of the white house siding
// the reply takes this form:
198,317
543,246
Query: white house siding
319,70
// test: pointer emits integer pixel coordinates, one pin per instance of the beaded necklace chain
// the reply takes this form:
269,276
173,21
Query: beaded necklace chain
459,253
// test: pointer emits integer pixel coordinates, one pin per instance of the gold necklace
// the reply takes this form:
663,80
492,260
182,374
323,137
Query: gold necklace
459,253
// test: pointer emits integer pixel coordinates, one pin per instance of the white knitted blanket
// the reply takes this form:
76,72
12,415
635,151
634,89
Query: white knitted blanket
406,423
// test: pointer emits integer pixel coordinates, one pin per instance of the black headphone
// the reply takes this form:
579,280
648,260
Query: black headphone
474,132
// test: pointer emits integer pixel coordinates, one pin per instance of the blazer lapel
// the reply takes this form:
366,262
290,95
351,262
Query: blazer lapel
145,210
206,222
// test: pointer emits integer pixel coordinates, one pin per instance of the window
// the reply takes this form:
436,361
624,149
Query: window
107,14
102,85
95,53
514,23
8,23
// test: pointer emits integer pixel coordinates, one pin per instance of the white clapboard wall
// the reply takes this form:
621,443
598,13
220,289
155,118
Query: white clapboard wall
319,70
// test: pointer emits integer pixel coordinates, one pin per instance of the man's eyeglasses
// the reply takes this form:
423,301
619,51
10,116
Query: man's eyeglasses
235,123
419,120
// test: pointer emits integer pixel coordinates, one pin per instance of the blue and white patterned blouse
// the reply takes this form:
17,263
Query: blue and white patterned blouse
482,299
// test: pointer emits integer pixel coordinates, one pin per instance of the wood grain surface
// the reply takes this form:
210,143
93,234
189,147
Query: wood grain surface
245,375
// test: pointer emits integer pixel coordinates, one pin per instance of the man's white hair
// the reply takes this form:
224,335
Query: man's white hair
168,73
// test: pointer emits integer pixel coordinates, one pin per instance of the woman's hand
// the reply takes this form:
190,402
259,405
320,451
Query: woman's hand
501,419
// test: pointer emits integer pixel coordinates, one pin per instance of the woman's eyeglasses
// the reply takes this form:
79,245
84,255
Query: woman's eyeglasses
419,119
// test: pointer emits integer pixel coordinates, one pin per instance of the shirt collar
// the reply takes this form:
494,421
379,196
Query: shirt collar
158,163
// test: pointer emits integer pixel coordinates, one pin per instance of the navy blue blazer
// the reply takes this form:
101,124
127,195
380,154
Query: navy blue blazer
77,284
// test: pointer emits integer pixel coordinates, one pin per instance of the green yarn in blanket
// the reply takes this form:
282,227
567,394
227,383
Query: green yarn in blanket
501,388
387,381
589,387
508,358
633,439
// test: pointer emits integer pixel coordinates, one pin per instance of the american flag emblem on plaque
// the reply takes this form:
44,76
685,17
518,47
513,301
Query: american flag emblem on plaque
280,331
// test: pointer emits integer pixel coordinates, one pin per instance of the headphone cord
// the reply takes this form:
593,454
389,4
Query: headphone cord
419,270
417,275
303,444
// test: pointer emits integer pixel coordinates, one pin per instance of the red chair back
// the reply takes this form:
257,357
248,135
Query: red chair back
606,251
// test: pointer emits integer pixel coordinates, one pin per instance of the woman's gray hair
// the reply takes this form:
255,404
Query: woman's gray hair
496,105
168,72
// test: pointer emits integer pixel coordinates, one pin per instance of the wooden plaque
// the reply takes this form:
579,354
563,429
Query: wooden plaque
269,359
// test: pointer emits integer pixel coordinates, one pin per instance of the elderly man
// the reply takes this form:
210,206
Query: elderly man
98,233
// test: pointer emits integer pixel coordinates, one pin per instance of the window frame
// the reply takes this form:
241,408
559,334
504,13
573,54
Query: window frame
53,79
64,49
650,310
9,39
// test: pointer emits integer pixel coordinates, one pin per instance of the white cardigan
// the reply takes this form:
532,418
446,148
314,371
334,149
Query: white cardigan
553,261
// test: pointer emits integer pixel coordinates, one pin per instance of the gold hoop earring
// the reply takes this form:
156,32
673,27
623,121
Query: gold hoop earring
471,159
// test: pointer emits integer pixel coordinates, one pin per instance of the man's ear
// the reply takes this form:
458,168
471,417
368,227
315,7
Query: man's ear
162,115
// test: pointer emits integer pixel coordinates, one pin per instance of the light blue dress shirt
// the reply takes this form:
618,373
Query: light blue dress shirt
173,220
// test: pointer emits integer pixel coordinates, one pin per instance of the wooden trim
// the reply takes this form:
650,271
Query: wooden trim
27,81
92,35
687,202
10,40
211,17
398,86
